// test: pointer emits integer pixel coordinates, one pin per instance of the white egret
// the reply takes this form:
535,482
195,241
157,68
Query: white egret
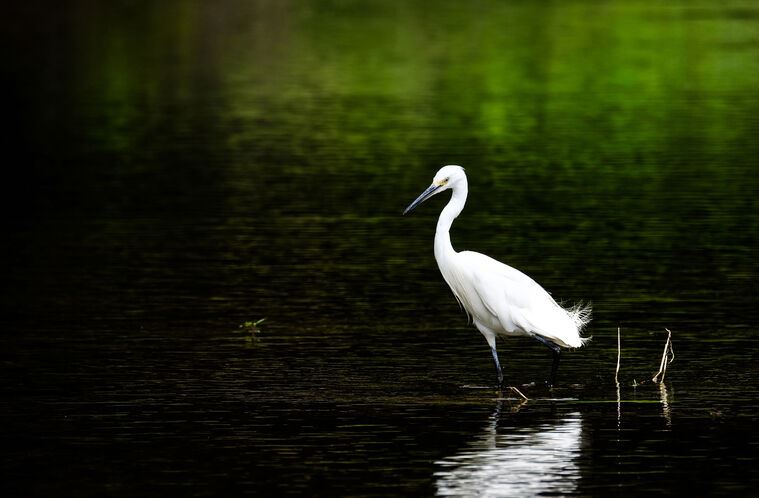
501,300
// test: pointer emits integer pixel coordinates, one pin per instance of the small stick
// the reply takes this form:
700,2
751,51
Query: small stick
671,351
663,365
518,392
616,379
619,356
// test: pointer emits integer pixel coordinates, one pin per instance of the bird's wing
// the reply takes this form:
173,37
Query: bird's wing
518,302
496,282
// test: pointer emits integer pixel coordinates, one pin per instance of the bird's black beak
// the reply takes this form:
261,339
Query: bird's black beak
431,190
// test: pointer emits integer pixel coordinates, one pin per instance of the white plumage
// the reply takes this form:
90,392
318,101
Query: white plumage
500,300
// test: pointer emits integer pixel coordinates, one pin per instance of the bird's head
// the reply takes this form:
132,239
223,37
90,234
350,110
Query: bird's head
446,178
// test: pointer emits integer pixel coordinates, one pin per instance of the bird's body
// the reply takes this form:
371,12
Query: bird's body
501,300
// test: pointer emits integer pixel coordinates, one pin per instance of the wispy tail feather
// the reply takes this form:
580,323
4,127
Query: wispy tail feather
581,314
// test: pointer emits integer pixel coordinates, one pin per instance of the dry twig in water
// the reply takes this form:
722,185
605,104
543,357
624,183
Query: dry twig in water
664,360
518,392
616,378
619,356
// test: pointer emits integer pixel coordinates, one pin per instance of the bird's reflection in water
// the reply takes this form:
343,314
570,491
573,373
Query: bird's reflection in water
511,459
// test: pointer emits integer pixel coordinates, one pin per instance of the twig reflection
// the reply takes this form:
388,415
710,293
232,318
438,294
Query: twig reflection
664,396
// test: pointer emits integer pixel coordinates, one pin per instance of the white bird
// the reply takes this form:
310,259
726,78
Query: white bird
501,300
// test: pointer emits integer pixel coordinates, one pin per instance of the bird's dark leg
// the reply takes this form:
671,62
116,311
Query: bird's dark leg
497,366
556,350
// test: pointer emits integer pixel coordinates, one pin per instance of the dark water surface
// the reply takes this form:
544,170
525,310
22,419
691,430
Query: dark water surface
182,168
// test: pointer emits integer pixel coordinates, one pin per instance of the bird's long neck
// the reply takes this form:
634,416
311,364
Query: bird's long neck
443,247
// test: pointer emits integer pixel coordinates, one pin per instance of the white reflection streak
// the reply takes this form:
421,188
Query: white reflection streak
539,459
619,408
664,396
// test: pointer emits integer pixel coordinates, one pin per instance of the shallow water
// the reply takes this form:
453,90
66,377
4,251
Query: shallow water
190,168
